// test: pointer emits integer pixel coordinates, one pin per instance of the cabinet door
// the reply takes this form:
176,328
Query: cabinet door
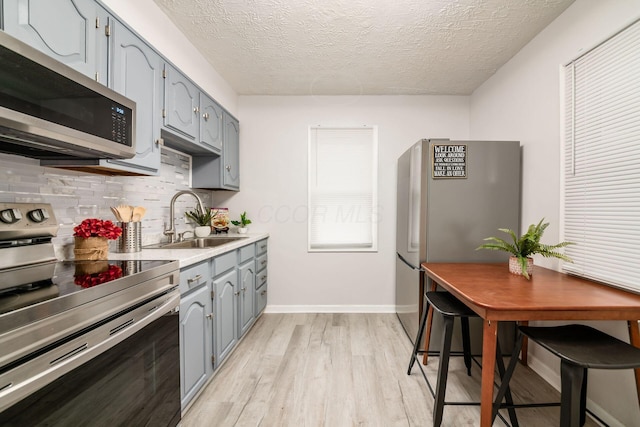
231,153
247,292
136,72
181,103
71,31
195,343
210,123
226,293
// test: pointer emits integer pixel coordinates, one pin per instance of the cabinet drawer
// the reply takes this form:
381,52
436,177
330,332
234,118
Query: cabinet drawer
261,247
194,276
261,262
261,300
246,253
261,278
224,262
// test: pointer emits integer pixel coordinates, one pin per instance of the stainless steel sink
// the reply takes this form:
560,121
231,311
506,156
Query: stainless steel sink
206,242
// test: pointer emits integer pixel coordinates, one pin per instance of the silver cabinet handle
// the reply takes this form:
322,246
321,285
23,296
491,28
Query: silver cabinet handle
263,262
237,293
194,279
228,167
205,116
196,110
263,278
210,316
263,292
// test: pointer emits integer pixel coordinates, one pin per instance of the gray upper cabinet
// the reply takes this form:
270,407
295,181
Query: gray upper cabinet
210,123
231,153
136,72
220,172
184,118
181,103
71,31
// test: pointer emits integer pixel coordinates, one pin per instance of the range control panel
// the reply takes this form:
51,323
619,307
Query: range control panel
27,220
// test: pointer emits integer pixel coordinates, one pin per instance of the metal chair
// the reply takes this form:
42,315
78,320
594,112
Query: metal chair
450,308
579,347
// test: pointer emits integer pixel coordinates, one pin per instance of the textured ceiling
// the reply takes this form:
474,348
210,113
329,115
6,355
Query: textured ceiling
352,47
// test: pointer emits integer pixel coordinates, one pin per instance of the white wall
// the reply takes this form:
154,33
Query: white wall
148,20
273,152
522,101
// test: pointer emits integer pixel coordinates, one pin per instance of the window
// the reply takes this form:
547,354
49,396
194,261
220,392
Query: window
343,177
602,161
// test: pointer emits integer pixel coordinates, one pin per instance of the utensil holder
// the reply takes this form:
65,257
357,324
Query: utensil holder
131,238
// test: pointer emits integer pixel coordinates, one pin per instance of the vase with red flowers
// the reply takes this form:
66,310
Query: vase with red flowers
92,238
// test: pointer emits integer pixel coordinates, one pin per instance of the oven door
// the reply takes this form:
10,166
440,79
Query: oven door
135,381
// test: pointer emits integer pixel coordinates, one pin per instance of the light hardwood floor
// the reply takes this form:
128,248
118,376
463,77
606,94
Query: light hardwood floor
334,370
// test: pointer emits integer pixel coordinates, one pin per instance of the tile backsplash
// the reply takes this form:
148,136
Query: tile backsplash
78,195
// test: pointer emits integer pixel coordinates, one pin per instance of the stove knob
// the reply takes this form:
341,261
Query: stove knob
10,216
38,215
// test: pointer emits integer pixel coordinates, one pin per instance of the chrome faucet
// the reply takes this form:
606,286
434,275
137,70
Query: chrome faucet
171,231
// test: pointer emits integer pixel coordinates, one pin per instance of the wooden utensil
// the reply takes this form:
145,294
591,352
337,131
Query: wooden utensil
116,214
125,212
138,213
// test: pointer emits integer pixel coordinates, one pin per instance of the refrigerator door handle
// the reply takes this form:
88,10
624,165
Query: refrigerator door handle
409,264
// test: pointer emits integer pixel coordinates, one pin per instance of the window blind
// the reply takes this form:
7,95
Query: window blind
602,161
343,189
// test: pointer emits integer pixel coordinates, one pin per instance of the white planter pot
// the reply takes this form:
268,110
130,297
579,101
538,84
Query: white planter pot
242,230
516,268
203,231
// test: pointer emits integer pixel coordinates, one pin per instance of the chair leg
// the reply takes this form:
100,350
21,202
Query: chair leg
506,377
416,346
466,343
427,338
583,398
571,379
508,398
443,370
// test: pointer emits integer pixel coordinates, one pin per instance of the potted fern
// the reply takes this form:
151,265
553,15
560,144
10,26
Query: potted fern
521,249
202,220
242,224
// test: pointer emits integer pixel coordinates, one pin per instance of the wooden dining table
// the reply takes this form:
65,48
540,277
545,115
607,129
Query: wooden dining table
497,295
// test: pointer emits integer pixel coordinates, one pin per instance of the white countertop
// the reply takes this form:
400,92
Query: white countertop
188,257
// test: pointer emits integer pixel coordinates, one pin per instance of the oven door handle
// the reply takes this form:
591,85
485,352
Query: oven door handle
21,381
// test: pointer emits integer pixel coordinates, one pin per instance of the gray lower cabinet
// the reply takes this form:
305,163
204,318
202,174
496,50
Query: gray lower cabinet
261,277
226,297
217,308
247,277
195,342
71,31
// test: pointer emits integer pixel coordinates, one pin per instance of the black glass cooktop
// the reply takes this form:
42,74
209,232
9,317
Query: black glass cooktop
30,285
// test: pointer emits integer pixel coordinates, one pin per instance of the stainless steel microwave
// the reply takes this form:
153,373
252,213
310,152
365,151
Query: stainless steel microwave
51,111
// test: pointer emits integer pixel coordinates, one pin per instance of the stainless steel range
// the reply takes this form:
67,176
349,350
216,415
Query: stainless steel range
83,342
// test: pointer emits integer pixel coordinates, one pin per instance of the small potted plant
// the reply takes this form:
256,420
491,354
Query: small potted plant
242,224
522,248
202,220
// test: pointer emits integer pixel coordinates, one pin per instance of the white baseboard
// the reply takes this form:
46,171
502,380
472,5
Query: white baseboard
330,309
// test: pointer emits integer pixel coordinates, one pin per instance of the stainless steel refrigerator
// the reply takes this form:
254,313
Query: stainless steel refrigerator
451,195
